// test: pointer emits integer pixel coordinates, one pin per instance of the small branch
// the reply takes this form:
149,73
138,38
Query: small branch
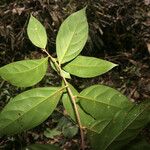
76,112
73,99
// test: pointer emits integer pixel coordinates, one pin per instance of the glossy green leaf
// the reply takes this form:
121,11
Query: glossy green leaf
123,128
28,109
86,120
37,33
42,147
24,73
87,67
103,102
72,36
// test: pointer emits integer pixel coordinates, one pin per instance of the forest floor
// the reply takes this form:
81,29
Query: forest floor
119,32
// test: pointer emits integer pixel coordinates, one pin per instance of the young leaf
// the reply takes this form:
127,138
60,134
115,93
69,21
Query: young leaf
53,66
28,109
37,33
24,73
42,147
65,74
87,67
103,102
123,128
72,36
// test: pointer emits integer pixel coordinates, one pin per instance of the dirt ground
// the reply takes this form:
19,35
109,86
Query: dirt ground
119,32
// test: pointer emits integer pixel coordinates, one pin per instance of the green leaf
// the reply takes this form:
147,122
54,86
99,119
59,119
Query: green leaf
123,128
72,36
42,147
65,74
69,130
87,67
28,109
118,120
140,145
51,133
53,66
24,73
103,102
37,33
86,120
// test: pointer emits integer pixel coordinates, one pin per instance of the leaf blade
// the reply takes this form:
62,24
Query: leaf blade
37,33
123,128
87,67
25,73
100,100
72,36
24,111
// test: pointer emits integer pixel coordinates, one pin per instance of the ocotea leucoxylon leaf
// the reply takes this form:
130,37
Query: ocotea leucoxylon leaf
25,73
123,119
87,67
72,36
123,128
28,109
37,33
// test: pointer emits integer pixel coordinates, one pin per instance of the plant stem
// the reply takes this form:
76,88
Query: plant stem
72,97
76,112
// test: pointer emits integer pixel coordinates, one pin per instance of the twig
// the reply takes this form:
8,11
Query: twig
72,97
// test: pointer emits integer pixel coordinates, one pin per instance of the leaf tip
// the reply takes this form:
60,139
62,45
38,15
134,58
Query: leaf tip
115,65
85,8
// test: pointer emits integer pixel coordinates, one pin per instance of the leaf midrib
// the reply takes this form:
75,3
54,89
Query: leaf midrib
68,43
